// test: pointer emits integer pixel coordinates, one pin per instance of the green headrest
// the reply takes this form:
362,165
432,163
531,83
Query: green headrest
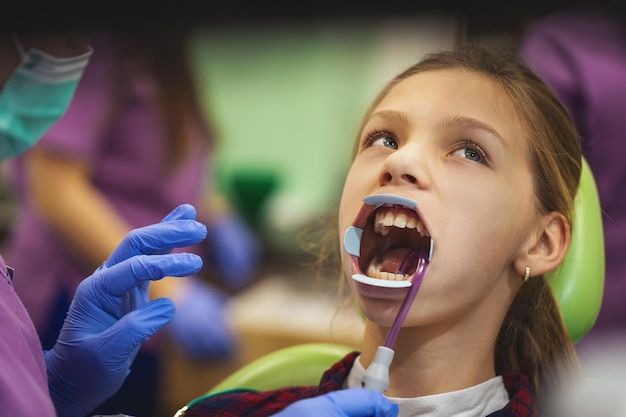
293,365
578,283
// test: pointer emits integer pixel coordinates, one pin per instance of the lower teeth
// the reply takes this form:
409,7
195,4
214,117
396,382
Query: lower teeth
374,272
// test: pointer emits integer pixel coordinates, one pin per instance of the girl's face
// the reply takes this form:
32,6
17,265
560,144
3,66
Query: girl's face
449,140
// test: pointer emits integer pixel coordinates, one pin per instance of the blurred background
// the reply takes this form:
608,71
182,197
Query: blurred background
285,90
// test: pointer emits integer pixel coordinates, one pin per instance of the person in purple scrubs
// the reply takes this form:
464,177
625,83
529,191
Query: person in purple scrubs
133,143
581,54
110,315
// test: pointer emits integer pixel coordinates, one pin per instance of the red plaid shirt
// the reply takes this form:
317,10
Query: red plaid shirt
247,403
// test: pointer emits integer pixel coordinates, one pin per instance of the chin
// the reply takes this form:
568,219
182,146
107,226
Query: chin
381,311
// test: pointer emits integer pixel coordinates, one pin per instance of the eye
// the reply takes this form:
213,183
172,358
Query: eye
472,151
382,138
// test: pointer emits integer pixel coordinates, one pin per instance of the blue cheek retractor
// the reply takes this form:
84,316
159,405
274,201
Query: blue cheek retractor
377,374
353,234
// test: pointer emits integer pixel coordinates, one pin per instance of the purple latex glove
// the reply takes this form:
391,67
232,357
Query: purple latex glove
233,250
354,402
200,326
110,315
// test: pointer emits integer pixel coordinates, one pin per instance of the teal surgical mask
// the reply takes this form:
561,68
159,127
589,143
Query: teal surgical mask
35,96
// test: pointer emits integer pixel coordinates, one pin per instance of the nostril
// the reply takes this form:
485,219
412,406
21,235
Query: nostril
386,177
409,178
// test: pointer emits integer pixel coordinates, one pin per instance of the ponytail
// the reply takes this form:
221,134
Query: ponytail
533,340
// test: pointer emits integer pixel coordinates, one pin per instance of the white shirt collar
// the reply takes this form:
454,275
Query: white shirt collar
477,401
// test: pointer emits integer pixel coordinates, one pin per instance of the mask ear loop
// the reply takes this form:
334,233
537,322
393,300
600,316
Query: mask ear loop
19,47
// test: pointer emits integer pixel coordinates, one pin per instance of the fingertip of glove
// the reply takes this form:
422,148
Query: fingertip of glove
199,228
163,305
192,260
159,312
183,211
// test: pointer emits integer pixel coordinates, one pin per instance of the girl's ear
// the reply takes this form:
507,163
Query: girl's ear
545,250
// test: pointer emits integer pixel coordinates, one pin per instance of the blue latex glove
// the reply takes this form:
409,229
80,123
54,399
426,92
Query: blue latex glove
110,315
200,326
354,402
233,250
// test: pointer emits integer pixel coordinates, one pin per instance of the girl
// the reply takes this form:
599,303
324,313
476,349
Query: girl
466,154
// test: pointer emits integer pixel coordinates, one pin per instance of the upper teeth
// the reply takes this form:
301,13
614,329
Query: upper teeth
386,219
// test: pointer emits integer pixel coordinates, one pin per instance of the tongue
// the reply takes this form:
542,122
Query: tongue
399,260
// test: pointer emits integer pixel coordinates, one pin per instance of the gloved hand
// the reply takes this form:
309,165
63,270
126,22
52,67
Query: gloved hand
233,250
200,326
354,402
110,316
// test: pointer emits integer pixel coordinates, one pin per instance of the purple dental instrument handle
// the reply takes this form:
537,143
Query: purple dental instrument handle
408,300
377,374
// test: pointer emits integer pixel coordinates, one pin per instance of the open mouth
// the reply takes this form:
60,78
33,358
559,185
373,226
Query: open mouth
386,241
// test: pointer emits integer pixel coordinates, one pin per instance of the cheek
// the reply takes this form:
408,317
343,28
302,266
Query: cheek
478,232
489,235
493,211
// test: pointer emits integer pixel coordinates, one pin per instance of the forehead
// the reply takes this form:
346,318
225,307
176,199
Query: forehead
448,93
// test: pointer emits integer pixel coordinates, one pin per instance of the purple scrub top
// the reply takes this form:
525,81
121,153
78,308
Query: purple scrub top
23,380
582,56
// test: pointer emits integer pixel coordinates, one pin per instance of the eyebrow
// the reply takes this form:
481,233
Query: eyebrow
457,122
390,115
463,122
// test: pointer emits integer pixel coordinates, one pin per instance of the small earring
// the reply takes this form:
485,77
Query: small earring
527,275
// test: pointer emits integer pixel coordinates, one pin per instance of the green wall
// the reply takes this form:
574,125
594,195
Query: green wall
287,100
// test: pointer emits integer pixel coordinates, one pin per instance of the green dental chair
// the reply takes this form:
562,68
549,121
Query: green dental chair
577,284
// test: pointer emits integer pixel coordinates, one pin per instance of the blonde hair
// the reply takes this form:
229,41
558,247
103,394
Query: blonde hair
533,339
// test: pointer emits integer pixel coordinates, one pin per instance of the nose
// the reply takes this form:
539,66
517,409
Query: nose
406,165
